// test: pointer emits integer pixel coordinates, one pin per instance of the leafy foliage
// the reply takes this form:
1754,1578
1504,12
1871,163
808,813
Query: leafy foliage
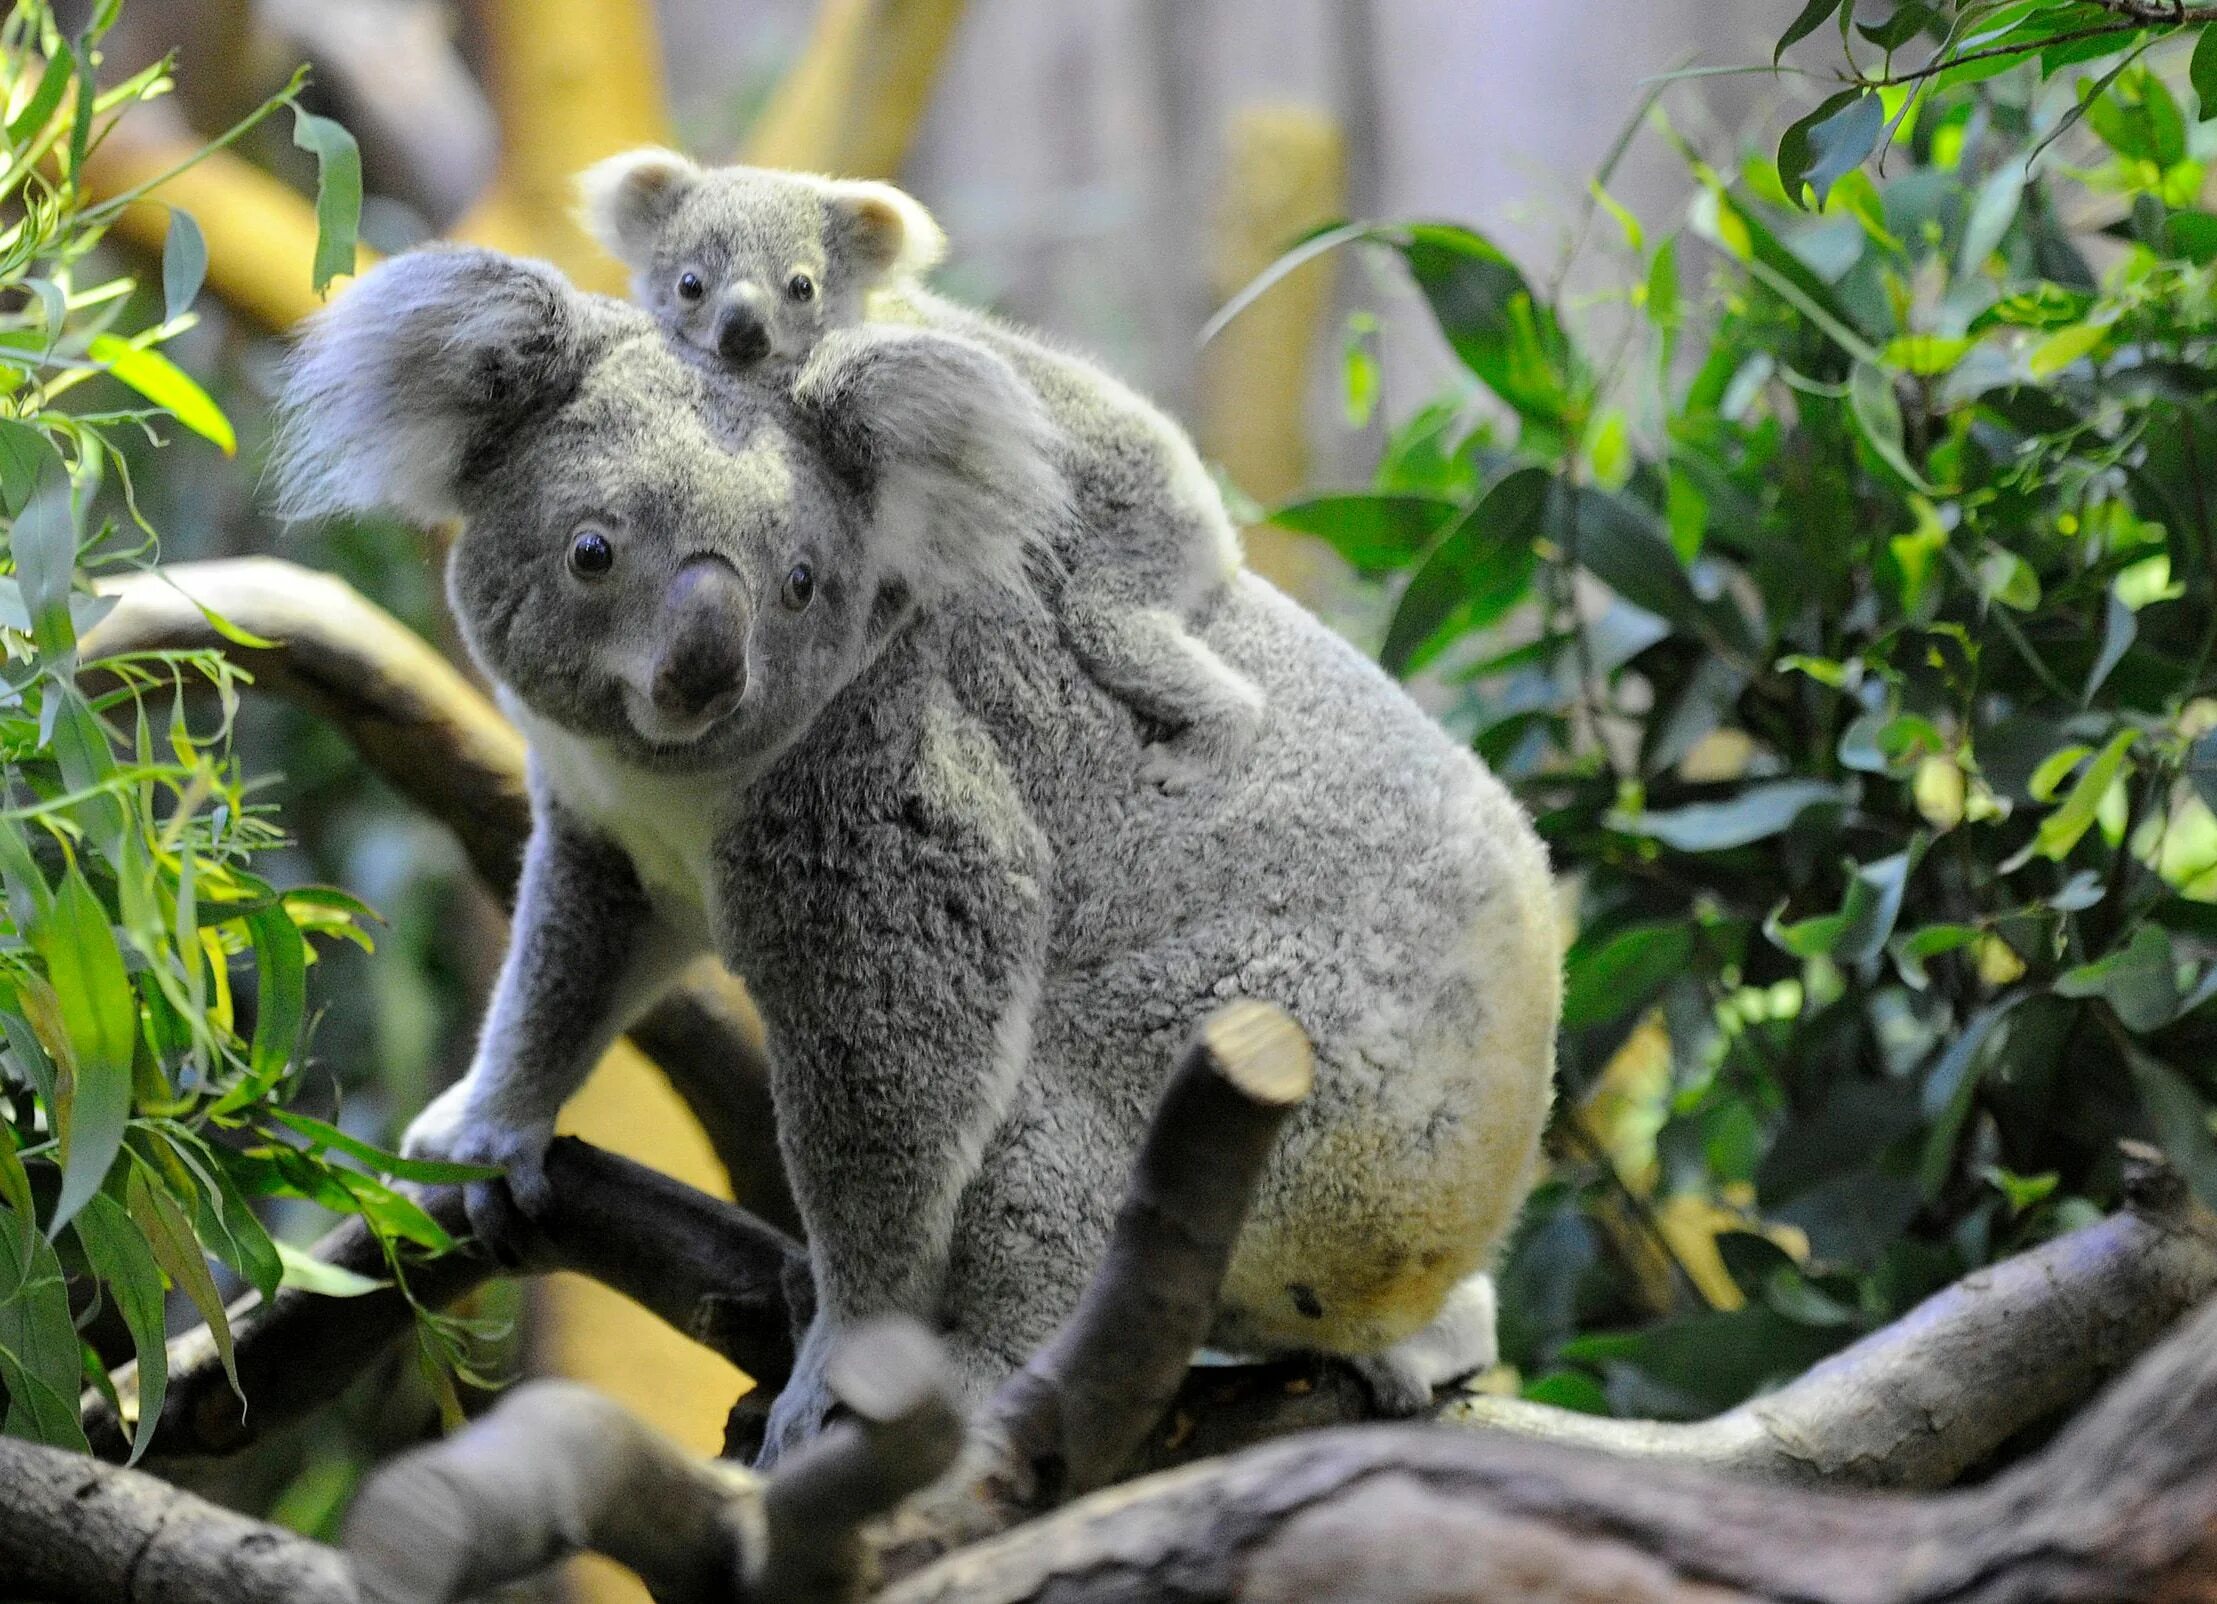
153,988
1850,638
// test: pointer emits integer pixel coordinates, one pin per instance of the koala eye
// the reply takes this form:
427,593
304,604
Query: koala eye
801,287
689,286
591,554
800,587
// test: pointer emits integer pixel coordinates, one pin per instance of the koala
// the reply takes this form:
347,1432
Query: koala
757,265
792,695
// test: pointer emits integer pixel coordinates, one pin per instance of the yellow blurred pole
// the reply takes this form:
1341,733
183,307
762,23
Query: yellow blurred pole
261,232
851,103
1285,171
571,81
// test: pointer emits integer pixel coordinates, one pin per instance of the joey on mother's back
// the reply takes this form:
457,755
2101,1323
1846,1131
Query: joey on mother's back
793,694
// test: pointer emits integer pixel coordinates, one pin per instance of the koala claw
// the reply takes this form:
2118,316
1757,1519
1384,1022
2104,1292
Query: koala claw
500,1211
1201,749
1404,1379
804,1407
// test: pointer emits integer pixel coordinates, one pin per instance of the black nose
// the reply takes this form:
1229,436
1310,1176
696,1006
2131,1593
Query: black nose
742,337
702,666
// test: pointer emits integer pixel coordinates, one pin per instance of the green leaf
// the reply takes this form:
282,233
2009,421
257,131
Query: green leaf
119,1255
177,1251
431,1172
2060,830
46,99
1476,570
1813,16
1994,208
1621,972
100,1013
391,1213
222,1218
338,193
1375,533
167,385
1757,813
2139,980
1625,546
1830,142
1910,18
2181,1119
1913,950
39,1353
1877,412
2201,769
2202,74
1950,1088
306,1273
184,264
281,977
1865,922
2119,630
1502,332
25,456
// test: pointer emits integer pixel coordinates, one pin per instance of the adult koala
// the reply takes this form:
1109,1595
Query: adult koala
793,691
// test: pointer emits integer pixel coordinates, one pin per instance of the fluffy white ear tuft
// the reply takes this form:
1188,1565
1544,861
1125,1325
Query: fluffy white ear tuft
391,385
625,200
885,232
961,458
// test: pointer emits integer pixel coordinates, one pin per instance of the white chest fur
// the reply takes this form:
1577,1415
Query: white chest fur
665,823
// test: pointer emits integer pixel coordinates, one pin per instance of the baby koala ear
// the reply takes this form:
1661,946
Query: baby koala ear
392,386
885,232
957,454
625,201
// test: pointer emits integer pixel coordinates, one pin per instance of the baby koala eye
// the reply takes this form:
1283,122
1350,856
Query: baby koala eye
801,287
800,587
591,554
690,287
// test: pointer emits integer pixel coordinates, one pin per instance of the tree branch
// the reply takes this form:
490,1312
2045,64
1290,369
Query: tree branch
704,1266
2124,1505
428,732
75,1531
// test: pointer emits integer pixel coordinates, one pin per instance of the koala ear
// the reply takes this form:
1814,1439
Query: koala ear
957,452
884,231
625,201
393,385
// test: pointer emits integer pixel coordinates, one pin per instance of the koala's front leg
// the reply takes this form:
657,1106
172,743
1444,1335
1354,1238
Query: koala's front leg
586,955
897,983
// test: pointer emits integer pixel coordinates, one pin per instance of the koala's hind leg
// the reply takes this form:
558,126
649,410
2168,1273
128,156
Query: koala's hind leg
1460,1342
1146,658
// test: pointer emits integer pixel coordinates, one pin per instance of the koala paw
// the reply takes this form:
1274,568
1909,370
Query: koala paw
452,1129
1212,746
805,1405
1460,1342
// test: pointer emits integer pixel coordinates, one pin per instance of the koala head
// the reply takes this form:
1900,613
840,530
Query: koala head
681,561
749,262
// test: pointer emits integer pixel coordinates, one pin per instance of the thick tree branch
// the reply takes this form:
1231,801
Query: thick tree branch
76,1531
2124,1505
433,736
704,1266
555,1469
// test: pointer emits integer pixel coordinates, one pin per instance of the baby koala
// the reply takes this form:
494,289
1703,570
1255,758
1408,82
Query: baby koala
758,265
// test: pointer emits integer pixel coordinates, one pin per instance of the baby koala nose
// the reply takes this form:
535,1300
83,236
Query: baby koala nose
701,670
742,335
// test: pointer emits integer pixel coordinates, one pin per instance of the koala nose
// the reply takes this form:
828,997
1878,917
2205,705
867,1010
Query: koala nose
742,334
701,669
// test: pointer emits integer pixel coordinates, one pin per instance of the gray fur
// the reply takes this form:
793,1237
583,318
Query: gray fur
977,935
1151,547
